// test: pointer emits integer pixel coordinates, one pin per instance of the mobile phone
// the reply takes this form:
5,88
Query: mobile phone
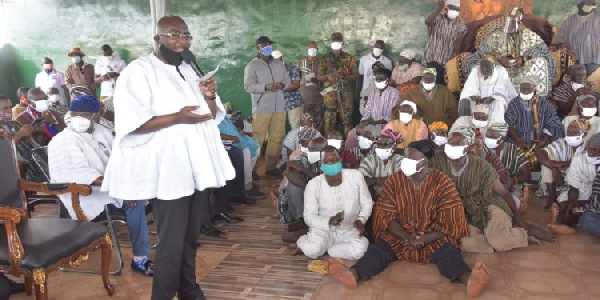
36,122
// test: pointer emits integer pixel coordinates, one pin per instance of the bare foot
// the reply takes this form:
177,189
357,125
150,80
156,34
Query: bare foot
524,199
554,212
480,275
342,274
533,241
561,229
541,234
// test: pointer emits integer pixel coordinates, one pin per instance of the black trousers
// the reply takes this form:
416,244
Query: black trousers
380,254
178,225
234,187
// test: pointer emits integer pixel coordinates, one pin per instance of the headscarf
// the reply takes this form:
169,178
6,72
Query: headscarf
481,108
453,2
395,135
306,117
430,71
427,147
580,98
85,103
467,132
581,124
410,54
499,127
437,126
411,104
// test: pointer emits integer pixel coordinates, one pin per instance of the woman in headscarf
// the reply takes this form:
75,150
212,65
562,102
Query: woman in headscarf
419,217
404,122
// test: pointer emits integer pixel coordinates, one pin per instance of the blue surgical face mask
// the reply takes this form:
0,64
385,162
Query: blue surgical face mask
331,169
76,59
267,50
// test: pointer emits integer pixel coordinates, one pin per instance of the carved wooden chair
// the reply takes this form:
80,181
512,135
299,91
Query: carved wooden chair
33,248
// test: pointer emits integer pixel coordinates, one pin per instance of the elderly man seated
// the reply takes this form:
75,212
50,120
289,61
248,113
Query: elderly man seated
291,142
478,121
337,204
490,85
586,107
407,73
490,209
335,139
565,93
79,154
378,165
39,108
405,122
419,218
438,133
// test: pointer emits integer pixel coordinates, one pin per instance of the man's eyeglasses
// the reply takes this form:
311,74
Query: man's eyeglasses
185,36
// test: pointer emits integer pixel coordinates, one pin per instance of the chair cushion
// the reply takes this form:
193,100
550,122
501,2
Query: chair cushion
48,240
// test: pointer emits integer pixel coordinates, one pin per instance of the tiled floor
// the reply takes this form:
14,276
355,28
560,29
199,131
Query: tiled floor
253,263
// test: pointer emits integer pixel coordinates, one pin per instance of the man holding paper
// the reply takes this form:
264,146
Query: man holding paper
168,148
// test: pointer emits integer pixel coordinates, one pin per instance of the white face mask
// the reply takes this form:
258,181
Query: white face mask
585,111
452,14
364,143
479,124
377,52
491,143
574,141
428,86
454,152
526,97
53,98
335,143
79,124
409,166
405,117
440,139
592,160
576,86
402,68
314,156
383,154
336,46
304,149
380,85
41,105
312,52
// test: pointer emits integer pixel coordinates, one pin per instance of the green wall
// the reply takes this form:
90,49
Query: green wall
224,31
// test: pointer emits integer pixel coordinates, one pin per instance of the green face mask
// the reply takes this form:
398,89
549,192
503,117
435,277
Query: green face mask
331,169
588,8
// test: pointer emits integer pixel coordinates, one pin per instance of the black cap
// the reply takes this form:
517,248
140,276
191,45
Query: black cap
46,60
263,40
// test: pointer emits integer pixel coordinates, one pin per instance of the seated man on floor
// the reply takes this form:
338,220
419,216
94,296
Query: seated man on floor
590,220
489,85
291,142
586,110
21,135
337,204
419,218
434,101
478,120
563,97
378,110
407,73
531,118
556,158
336,140
405,122
79,154
490,209
579,179
367,134
378,165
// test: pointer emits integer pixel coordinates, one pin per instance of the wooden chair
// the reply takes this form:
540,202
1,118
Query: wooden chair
33,248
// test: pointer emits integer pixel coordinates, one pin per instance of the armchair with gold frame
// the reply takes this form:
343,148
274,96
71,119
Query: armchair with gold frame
33,248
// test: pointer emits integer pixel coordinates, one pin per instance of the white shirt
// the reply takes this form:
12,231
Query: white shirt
173,162
322,201
580,175
54,79
81,158
498,86
365,68
104,65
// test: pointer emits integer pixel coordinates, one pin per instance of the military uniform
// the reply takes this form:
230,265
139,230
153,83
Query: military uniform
346,65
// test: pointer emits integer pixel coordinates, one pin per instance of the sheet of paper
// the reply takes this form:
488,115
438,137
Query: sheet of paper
307,79
209,74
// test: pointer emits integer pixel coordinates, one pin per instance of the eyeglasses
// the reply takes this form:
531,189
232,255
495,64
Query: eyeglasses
185,36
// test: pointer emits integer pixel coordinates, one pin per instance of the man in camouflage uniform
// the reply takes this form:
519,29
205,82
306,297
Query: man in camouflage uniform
336,70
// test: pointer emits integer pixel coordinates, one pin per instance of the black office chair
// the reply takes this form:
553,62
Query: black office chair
33,248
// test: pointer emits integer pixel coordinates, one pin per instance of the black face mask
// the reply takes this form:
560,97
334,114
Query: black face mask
172,57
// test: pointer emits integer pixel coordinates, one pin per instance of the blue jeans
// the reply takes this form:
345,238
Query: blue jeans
138,227
590,221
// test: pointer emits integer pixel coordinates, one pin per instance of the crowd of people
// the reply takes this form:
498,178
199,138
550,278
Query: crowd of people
424,175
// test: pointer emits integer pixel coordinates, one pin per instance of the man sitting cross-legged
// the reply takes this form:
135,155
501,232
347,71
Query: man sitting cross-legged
79,154
337,205
419,217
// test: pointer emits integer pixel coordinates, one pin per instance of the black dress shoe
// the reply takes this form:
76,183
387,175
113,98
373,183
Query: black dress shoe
212,232
227,218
